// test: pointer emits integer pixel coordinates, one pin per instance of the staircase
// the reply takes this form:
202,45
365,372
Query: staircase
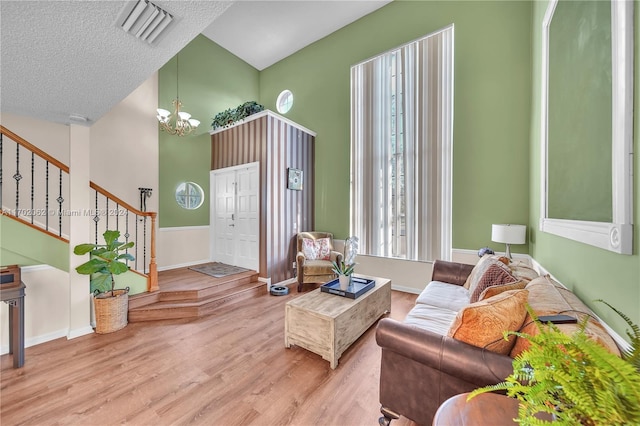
189,294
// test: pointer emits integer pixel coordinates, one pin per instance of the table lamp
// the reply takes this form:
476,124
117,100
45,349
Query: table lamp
508,234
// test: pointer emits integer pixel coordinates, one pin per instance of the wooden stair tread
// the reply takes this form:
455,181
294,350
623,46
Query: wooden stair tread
200,302
184,293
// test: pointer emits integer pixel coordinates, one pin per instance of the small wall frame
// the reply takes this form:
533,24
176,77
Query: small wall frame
294,179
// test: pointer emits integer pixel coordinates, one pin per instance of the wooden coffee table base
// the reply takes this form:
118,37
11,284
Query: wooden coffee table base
327,324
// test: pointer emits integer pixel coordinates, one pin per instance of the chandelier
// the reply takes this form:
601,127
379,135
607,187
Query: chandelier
180,122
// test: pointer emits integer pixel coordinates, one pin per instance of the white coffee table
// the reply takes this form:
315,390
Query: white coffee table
327,324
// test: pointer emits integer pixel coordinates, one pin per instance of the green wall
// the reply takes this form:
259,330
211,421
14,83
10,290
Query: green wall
30,246
211,80
491,115
592,273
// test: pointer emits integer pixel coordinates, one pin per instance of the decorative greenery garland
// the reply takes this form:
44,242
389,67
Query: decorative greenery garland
229,116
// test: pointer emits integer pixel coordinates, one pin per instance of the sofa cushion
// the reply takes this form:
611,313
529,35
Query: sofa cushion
522,271
495,274
432,318
483,323
548,297
497,289
318,267
481,267
444,295
319,249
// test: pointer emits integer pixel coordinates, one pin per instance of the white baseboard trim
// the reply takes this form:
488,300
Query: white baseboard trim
35,268
411,290
33,341
183,265
72,334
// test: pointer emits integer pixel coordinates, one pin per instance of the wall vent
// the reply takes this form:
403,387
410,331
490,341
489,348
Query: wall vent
144,20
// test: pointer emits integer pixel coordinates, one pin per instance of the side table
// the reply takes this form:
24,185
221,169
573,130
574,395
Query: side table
13,295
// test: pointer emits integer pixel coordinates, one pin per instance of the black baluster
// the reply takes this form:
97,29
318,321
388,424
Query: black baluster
136,241
126,231
17,177
46,197
33,164
60,200
144,247
96,218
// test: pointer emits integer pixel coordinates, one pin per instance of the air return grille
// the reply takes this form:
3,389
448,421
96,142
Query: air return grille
144,20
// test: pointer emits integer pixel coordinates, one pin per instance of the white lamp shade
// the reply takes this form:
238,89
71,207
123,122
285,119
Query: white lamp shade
163,113
508,234
194,123
184,115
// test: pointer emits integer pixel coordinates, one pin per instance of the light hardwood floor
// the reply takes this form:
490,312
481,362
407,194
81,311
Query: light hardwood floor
230,368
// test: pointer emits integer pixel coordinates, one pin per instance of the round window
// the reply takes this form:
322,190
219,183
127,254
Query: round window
284,101
189,195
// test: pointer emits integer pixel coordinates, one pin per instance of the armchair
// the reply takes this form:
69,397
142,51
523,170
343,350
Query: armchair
311,269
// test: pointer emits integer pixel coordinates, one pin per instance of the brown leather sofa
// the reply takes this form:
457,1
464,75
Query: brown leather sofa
421,369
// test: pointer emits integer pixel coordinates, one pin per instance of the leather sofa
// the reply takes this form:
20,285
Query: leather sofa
421,367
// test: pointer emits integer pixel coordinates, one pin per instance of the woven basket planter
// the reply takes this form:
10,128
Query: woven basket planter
111,312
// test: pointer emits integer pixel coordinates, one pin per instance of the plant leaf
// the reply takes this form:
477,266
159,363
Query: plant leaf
126,256
101,282
118,268
110,236
91,267
81,249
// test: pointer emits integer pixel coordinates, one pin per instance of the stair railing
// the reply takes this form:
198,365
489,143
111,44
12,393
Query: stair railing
37,178
45,177
134,225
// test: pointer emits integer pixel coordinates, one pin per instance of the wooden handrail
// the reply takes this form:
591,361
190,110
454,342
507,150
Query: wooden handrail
120,202
152,276
20,141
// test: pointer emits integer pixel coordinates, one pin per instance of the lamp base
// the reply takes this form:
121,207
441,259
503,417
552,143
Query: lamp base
508,252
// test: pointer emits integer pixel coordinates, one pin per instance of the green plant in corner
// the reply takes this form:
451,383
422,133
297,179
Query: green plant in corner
573,378
105,262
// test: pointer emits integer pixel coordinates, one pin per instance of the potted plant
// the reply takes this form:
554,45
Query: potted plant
344,271
105,262
573,378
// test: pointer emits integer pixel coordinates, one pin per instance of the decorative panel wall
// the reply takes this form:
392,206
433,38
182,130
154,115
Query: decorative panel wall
277,144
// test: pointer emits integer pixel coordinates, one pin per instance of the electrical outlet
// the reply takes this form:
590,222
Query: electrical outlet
294,265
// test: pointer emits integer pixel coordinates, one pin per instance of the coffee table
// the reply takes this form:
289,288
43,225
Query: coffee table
327,324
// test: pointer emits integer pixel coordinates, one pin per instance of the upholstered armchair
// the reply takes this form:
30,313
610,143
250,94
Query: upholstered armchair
315,254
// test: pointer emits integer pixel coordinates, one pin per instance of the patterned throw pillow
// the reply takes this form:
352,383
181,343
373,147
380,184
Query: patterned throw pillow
319,249
324,248
309,249
496,274
483,323
497,289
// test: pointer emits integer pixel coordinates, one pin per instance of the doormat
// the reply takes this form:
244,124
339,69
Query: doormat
218,270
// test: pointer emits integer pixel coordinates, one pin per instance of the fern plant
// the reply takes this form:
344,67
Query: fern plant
573,378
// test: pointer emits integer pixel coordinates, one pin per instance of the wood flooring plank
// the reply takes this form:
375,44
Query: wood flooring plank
229,368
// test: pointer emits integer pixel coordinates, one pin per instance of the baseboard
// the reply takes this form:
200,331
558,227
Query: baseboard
72,334
4,349
35,268
183,265
184,228
405,289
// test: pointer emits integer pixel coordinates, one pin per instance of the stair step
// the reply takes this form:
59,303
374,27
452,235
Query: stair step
197,306
205,289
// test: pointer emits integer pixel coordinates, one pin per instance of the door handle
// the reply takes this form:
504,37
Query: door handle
232,224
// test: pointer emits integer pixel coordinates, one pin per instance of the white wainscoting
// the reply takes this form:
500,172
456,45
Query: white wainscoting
46,311
182,246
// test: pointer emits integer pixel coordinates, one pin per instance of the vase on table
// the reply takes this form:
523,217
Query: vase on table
345,281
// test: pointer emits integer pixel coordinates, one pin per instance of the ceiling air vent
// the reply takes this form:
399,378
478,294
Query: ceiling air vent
144,20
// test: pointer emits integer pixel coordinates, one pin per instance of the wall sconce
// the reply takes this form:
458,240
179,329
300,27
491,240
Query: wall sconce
508,234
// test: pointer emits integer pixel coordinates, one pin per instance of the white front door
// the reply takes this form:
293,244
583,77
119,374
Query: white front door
234,216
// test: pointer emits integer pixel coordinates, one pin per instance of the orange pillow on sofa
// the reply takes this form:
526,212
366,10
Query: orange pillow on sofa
483,323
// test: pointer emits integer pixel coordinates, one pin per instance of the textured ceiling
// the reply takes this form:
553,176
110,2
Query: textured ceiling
63,58
69,58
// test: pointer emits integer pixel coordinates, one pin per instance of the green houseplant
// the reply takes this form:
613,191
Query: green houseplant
231,115
573,378
106,261
344,271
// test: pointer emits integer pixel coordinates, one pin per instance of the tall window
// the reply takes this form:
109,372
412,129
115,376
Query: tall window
401,145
